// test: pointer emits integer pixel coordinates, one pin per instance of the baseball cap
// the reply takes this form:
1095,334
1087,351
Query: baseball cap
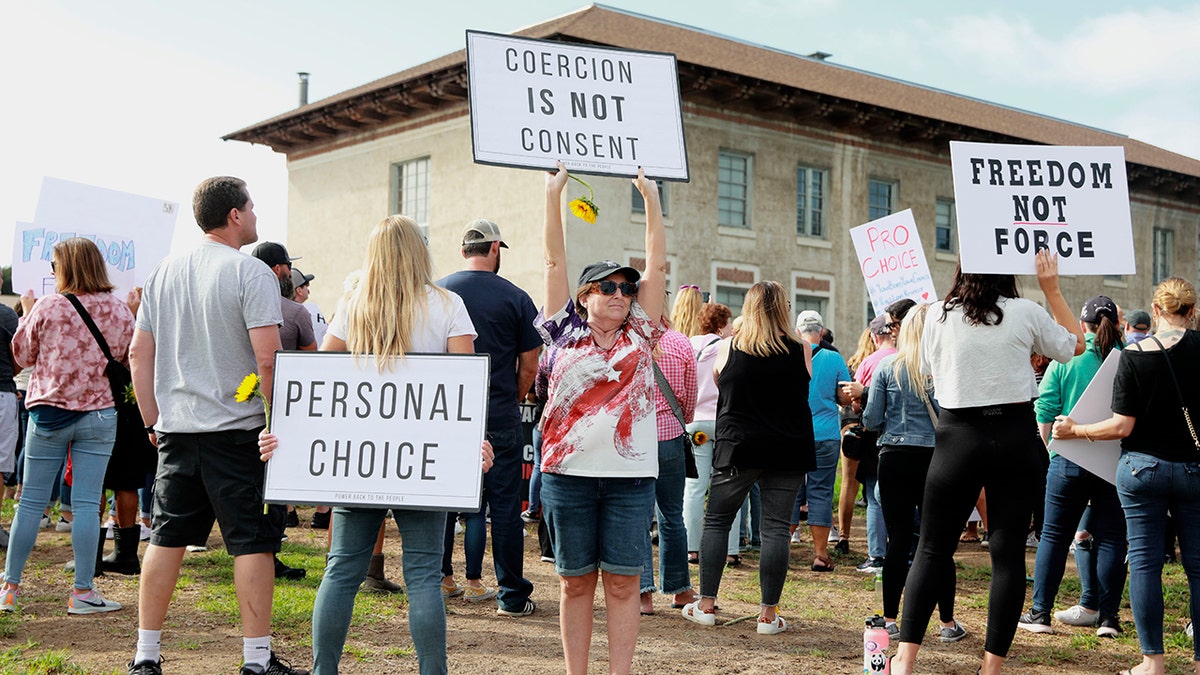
481,231
809,318
1139,319
1096,307
300,278
879,324
598,270
273,254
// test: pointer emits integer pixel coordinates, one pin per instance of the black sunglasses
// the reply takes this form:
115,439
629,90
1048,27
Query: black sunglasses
893,325
608,287
52,266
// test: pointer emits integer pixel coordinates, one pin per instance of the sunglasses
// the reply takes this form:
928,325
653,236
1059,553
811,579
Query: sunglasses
609,287
52,266
892,325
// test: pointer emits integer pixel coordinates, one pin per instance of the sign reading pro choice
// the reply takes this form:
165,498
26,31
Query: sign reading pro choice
599,110
1013,200
350,435
892,260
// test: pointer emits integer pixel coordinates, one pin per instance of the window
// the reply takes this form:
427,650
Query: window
880,203
944,226
732,297
410,187
1164,245
803,303
810,202
639,204
812,291
733,190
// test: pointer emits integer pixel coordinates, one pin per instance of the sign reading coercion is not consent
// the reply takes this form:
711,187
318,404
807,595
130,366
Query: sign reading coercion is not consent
892,260
349,434
599,110
1013,200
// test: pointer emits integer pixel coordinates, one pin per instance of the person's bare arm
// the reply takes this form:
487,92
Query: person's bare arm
1044,429
1047,275
527,365
141,363
652,291
265,342
1113,428
557,286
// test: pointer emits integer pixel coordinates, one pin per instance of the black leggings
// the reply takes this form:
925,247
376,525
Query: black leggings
994,448
902,470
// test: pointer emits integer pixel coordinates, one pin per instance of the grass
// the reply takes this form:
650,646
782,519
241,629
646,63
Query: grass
27,659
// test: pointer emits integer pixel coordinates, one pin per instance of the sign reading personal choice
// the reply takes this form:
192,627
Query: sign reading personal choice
892,260
132,232
599,110
1095,405
1013,200
408,437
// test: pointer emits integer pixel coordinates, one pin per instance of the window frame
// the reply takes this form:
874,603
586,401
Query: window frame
747,187
421,192
804,227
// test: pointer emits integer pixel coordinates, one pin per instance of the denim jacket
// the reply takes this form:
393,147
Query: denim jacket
899,415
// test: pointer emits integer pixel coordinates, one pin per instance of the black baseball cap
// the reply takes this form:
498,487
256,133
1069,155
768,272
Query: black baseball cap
273,254
598,270
1096,307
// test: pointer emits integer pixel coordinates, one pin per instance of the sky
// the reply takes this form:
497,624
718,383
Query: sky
135,95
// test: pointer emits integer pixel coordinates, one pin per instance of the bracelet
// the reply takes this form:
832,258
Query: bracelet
1087,435
150,429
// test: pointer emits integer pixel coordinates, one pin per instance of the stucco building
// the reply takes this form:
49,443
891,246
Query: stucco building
786,154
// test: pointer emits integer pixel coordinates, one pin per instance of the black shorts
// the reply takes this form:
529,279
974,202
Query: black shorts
216,475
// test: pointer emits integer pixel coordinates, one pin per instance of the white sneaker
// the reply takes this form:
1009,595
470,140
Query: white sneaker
8,598
693,613
90,603
63,525
1032,540
196,548
796,536
145,534
1078,616
773,627
44,523
833,535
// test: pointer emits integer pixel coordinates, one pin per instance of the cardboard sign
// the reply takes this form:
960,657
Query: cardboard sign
599,110
133,234
1095,405
350,435
1013,200
892,260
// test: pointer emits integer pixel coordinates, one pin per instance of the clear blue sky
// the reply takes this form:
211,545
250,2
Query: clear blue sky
135,96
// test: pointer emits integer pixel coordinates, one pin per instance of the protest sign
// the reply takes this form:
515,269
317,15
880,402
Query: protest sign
892,260
408,437
1095,405
133,233
599,110
1013,200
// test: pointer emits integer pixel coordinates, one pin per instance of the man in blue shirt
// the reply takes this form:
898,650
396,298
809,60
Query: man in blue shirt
503,316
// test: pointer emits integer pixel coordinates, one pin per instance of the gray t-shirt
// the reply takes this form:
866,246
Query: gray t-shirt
297,329
199,307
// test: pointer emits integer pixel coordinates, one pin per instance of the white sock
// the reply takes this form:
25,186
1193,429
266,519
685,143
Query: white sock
256,651
149,646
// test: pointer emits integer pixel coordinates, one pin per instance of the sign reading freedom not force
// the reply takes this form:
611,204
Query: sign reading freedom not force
1013,200
408,437
599,110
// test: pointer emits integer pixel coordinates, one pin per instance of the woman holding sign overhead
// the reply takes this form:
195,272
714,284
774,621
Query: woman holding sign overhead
976,345
599,444
395,309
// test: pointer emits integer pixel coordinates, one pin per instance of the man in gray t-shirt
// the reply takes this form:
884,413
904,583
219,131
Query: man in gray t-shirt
208,319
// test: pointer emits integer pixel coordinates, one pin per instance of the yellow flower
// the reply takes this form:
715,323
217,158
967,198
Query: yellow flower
248,388
699,438
584,209
130,397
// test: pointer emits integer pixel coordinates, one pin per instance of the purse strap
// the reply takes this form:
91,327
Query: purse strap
669,394
932,415
87,319
1179,391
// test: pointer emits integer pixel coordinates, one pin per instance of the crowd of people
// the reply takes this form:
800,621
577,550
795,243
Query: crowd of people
723,433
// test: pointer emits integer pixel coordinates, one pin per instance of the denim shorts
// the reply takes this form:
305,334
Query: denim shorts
597,523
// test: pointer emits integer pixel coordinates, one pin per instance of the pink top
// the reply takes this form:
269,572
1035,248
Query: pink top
705,347
678,365
68,366
866,369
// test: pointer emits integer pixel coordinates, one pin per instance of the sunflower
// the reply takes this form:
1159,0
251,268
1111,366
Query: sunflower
699,438
248,388
130,397
585,208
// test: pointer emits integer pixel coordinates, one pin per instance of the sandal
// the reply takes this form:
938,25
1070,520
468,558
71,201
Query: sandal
693,558
733,561
822,564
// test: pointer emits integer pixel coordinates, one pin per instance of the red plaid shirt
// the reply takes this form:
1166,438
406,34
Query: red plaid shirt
678,364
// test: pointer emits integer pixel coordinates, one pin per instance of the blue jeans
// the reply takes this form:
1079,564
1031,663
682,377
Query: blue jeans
672,537
354,533
1148,487
877,535
1068,490
90,439
474,543
818,486
695,492
597,523
1085,562
535,478
502,497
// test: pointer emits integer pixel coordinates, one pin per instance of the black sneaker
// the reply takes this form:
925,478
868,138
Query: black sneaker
146,668
282,571
320,520
530,516
1035,622
292,519
842,547
275,667
1110,626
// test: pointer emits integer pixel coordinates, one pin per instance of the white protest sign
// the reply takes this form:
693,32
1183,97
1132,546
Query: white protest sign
1095,405
1012,200
350,435
599,110
133,233
892,260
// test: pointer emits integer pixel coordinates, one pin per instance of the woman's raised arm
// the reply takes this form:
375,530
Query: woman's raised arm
652,291
558,288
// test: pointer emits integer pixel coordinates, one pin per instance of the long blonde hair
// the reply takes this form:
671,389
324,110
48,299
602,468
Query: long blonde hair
906,367
866,347
765,328
386,308
685,313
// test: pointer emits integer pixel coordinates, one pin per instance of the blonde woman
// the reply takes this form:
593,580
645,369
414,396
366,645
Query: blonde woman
685,314
901,407
395,309
764,434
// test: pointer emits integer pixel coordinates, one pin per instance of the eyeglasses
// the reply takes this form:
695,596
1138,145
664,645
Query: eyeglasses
892,325
687,286
609,287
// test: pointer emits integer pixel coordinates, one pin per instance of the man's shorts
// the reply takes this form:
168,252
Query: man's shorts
213,475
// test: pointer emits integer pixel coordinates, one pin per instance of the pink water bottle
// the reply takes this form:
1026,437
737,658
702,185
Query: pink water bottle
875,643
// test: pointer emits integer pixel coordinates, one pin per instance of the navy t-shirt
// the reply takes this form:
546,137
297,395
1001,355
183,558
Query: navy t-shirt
8,326
503,316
